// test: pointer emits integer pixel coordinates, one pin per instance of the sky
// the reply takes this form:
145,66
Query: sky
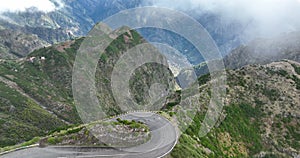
267,16
22,5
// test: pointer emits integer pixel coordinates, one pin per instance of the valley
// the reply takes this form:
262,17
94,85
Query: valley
159,112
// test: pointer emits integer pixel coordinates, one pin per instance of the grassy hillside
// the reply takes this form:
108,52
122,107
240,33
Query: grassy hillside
21,118
39,87
35,96
140,80
45,80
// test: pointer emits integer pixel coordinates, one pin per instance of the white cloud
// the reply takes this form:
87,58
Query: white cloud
22,5
267,16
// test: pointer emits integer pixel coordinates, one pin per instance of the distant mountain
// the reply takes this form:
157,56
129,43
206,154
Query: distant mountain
263,51
15,43
78,17
226,35
259,51
75,19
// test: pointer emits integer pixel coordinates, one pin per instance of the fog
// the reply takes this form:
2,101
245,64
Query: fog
261,17
22,5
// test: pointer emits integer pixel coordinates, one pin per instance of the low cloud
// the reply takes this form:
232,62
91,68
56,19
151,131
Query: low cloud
262,17
23,5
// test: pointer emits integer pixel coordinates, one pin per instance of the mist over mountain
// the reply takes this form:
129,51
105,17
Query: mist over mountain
259,18
237,22
39,5
54,21
230,24
259,42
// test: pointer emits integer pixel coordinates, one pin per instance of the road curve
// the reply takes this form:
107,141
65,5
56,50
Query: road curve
163,139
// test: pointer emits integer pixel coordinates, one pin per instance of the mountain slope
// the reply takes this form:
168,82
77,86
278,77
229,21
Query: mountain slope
44,78
17,44
261,117
21,117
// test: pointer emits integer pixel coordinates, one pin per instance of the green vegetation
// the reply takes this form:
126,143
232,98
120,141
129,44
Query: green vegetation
132,124
54,140
242,125
204,79
37,100
173,100
280,72
297,81
272,94
289,135
242,131
24,119
238,123
236,80
33,84
187,147
33,141
63,128
49,81
142,79
296,68
82,135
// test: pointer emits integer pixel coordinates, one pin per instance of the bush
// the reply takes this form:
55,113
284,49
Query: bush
54,140
296,68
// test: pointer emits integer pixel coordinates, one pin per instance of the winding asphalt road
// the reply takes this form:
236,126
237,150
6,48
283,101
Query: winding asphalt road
163,139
